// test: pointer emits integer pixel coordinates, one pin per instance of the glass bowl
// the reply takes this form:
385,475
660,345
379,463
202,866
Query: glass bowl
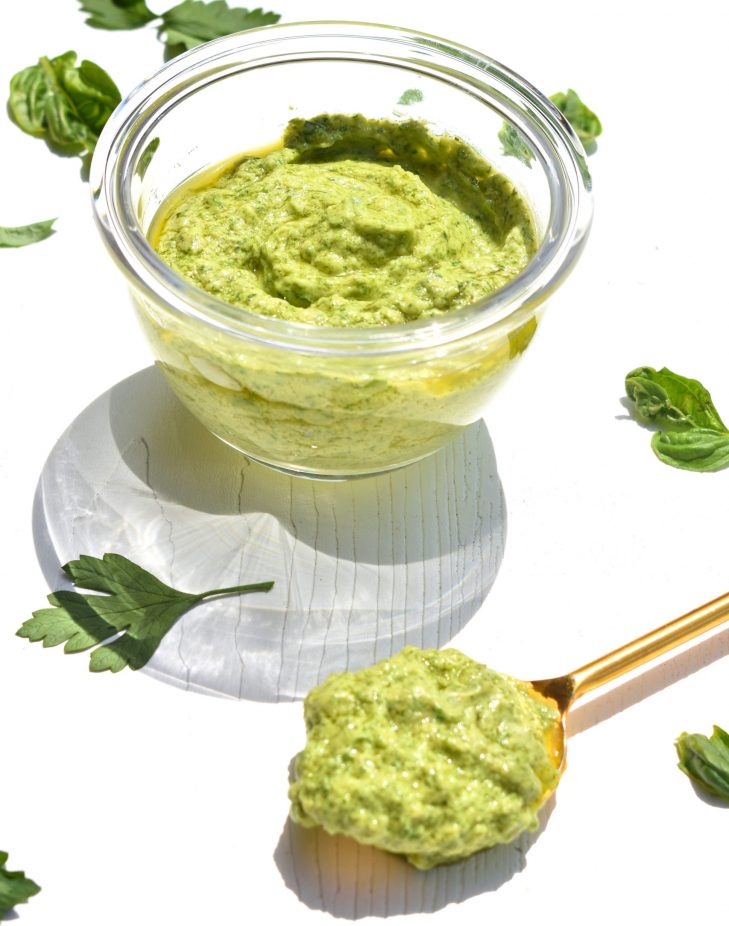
332,402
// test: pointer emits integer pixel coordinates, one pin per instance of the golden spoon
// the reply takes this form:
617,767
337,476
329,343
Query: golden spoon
566,689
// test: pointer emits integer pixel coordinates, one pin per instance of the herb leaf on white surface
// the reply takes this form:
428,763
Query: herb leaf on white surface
692,435
64,104
700,450
183,26
15,888
583,120
135,604
21,235
193,21
117,14
705,759
672,401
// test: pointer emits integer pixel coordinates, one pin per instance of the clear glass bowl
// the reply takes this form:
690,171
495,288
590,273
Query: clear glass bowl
332,402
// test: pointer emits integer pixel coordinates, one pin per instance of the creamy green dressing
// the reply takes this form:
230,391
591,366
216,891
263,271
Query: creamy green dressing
353,222
428,754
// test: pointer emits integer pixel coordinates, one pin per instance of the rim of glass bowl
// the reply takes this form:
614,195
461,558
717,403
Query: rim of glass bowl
553,142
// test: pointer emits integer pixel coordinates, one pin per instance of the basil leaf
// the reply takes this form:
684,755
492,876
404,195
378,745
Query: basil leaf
65,105
117,14
514,144
706,760
700,450
193,21
692,435
26,103
582,119
672,401
25,234
15,888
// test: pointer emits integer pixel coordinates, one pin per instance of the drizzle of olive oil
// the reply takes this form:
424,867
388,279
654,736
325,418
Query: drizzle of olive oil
203,179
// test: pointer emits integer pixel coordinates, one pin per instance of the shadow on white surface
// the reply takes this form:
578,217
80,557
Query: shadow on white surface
361,568
348,880
649,682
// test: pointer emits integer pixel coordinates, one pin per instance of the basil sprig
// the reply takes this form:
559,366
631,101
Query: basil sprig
583,120
64,104
705,759
691,433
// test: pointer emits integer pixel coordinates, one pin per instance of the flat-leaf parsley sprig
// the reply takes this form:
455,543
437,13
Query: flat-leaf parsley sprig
130,619
183,26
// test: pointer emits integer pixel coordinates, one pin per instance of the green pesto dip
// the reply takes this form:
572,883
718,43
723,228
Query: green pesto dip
353,222
428,754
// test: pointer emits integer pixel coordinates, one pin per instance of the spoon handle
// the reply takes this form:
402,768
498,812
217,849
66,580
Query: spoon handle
659,641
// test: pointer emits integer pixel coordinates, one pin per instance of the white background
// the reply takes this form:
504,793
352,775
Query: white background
131,801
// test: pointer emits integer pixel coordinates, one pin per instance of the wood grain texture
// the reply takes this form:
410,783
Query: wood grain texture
361,568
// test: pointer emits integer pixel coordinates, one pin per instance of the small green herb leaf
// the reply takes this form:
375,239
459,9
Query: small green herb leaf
15,888
65,105
706,760
583,120
117,14
672,401
135,604
194,21
408,97
25,234
692,435
514,144
699,450
26,104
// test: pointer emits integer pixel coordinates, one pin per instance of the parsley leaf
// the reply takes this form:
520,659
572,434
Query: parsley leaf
25,234
63,104
583,120
117,14
692,435
705,759
135,604
194,21
15,888
183,26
